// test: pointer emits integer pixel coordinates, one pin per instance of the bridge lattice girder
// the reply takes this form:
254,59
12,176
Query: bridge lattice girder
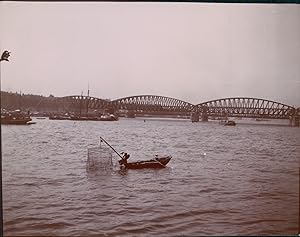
246,107
152,103
236,107
82,102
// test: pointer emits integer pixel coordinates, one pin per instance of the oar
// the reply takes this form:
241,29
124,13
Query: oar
111,147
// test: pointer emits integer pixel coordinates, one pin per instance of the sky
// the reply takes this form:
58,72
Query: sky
194,52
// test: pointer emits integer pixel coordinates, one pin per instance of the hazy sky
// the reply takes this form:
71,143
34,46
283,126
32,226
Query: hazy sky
189,51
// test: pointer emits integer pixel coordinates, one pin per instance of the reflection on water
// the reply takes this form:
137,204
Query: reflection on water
221,180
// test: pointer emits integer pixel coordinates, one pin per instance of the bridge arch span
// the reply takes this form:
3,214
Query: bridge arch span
246,107
152,103
77,101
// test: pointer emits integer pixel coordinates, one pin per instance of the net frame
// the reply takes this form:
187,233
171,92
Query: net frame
99,158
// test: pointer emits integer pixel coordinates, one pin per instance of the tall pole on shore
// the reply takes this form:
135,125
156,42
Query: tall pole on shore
4,57
87,102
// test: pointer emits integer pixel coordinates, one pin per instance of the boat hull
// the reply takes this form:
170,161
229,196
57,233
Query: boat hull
94,118
59,118
157,163
229,123
15,121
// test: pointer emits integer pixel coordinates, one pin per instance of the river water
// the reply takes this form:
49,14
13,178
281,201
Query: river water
222,180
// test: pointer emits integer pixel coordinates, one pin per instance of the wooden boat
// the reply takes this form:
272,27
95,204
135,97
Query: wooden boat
57,117
158,162
15,121
229,123
15,118
95,118
109,117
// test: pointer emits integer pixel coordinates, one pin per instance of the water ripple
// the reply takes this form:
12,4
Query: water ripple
221,181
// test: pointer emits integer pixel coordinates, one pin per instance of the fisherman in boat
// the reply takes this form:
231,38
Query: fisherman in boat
124,158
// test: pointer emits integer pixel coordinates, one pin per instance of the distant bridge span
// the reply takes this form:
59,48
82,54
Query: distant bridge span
232,107
83,102
246,107
152,103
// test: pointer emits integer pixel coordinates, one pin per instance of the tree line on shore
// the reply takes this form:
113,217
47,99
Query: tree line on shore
28,102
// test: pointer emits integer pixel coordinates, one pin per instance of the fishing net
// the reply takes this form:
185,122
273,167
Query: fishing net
99,158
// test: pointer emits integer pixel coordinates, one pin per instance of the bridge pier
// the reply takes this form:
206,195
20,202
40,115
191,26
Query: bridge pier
204,116
295,121
195,116
295,118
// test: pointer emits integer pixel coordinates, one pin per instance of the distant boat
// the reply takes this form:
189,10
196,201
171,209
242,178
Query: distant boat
261,119
229,123
15,118
57,117
109,117
84,118
90,117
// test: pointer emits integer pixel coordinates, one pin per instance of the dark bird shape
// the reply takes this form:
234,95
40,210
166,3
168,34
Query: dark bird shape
5,56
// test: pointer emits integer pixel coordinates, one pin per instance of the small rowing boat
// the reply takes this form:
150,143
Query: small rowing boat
158,162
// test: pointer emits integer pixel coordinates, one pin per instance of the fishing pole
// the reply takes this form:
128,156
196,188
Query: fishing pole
102,139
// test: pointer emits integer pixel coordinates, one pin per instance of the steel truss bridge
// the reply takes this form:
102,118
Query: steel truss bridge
162,105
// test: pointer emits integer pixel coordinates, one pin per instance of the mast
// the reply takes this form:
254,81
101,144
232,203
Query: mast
80,105
87,102
20,101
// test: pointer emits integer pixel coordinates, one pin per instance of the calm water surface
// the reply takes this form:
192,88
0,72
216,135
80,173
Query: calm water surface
241,180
